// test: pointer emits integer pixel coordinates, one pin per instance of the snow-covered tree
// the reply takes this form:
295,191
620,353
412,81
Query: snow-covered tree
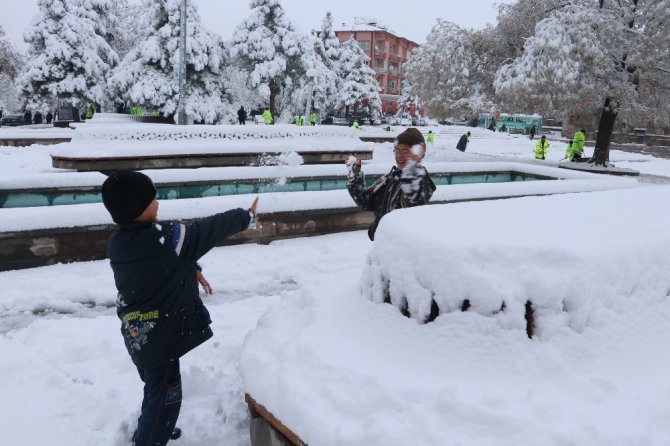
146,76
331,44
69,57
11,61
606,52
358,83
268,48
329,49
453,72
128,25
446,73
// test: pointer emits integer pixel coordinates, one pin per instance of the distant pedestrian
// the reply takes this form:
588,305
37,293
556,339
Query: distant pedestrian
50,117
578,141
503,128
28,117
533,129
312,118
430,137
242,116
463,142
267,116
542,148
1,113
38,117
492,127
356,125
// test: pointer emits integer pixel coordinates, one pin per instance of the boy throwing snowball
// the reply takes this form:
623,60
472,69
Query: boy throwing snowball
406,185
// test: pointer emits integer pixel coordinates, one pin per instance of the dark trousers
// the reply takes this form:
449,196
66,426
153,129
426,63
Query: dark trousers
160,406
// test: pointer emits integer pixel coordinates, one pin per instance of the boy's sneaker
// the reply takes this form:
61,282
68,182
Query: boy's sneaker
176,433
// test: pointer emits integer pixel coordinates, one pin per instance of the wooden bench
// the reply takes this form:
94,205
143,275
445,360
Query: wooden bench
196,160
261,435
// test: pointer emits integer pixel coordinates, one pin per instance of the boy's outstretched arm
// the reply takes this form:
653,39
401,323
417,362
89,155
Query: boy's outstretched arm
194,240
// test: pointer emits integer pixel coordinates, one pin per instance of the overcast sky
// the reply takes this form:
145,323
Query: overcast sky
412,19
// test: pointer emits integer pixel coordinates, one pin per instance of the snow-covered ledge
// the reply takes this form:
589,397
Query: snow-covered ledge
562,253
25,219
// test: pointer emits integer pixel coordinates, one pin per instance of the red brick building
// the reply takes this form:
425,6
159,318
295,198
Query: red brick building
387,53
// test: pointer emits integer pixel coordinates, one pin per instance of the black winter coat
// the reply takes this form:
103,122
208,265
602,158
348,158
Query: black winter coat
397,189
154,265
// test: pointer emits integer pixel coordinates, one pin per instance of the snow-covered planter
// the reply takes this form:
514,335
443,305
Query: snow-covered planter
564,254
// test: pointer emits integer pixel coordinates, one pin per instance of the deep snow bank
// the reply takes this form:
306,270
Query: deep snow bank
338,368
563,253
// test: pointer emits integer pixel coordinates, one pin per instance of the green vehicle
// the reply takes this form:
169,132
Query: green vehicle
513,123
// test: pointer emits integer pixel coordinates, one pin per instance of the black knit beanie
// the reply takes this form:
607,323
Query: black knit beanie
410,137
126,194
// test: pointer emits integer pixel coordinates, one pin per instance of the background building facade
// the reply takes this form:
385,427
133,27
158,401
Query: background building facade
387,53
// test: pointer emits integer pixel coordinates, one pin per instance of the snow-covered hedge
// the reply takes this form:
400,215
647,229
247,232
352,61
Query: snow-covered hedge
564,253
160,132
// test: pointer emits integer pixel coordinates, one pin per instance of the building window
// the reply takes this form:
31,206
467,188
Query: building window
364,44
391,85
379,62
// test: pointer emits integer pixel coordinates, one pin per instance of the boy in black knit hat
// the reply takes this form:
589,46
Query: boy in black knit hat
156,274
406,185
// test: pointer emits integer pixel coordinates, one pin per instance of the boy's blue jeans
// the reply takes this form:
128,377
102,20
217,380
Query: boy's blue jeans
160,406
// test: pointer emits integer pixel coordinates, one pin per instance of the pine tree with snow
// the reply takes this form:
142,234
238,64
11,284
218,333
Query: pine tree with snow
267,47
147,75
614,54
69,58
358,83
331,44
329,49
127,25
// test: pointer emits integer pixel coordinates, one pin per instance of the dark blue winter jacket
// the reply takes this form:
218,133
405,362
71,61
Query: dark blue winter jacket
154,264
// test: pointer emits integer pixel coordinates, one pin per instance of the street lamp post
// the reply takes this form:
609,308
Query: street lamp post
181,114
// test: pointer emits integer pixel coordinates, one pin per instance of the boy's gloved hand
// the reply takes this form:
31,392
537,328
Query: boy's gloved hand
253,223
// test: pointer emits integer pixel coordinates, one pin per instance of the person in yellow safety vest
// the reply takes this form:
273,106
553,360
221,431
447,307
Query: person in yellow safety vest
312,118
431,137
542,148
89,112
356,125
568,151
267,116
578,144
298,120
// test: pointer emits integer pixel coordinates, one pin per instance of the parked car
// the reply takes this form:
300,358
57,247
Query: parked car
13,119
334,120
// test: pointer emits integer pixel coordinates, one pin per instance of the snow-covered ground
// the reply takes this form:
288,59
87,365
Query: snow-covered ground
293,325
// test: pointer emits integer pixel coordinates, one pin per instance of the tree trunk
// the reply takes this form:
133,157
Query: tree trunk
273,99
601,154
